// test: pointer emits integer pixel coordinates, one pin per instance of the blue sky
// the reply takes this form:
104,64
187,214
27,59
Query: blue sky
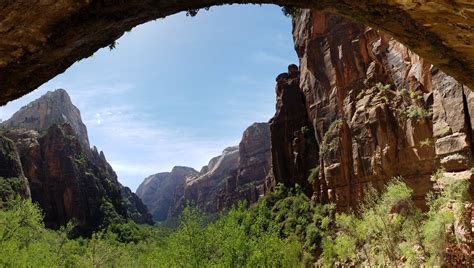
177,91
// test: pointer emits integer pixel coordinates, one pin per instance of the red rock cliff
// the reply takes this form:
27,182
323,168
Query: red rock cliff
377,109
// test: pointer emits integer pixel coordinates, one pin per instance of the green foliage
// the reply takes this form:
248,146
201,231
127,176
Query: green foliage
438,174
10,187
110,215
382,88
239,238
389,230
313,174
329,142
290,11
194,12
113,45
425,142
284,229
417,112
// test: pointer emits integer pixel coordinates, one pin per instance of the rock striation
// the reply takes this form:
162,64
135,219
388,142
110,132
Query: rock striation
69,181
239,173
364,110
12,178
41,39
55,107
373,109
159,191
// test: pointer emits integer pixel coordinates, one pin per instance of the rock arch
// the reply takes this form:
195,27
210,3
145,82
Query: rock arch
40,39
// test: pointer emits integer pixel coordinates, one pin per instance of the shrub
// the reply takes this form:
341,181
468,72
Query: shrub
290,11
389,230
417,112
425,142
438,174
9,187
327,144
313,174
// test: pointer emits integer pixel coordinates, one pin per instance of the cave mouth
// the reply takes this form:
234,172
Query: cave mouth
183,101
70,31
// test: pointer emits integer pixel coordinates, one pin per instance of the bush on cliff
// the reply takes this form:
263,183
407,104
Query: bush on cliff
389,230
284,229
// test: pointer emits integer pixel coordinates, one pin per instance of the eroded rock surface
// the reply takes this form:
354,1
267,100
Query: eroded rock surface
159,191
12,178
378,110
41,39
239,173
55,107
69,181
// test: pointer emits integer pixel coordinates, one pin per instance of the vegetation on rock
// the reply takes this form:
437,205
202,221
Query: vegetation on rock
284,229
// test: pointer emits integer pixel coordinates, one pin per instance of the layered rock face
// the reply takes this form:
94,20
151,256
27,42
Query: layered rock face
294,148
52,108
239,173
12,178
159,191
68,180
377,109
370,110
136,210
41,39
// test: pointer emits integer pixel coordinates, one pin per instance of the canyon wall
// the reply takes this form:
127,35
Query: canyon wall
12,178
240,173
159,191
377,109
41,39
67,179
365,109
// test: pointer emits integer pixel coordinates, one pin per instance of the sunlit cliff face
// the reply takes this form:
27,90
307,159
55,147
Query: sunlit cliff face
41,40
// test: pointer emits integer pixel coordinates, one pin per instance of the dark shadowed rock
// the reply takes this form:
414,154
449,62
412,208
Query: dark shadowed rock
375,110
159,191
240,173
136,210
69,180
12,178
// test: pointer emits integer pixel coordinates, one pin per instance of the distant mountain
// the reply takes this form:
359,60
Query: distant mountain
55,107
67,178
239,173
159,191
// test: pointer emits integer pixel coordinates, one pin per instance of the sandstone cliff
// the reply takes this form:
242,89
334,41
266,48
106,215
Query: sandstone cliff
55,107
366,109
41,39
371,109
239,173
12,178
158,191
67,179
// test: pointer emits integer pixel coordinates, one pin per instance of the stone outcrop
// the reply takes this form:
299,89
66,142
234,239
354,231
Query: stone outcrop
136,210
64,181
239,173
375,110
159,191
12,178
371,110
41,39
52,108
294,148
69,181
